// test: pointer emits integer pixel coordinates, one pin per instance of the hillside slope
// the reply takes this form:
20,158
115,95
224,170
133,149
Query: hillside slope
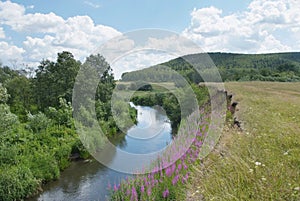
232,67
262,161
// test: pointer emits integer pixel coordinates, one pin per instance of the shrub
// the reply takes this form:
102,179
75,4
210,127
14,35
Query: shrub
43,166
38,122
16,182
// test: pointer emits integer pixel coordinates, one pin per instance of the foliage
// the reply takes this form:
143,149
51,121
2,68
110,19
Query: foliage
170,103
16,182
21,96
282,67
7,119
34,150
63,115
3,94
55,80
38,122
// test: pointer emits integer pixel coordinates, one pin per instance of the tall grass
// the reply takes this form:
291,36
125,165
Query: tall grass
262,162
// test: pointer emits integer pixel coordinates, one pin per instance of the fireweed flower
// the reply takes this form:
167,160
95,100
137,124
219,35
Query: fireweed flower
175,179
185,166
166,193
168,172
158,176
179,167
133,194
142,188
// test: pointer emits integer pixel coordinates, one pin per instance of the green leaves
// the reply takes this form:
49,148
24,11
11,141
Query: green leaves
16,182
55,80
7,119
3,94
38,122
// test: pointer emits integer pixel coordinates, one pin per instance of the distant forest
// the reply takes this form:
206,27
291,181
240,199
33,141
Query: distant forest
280,67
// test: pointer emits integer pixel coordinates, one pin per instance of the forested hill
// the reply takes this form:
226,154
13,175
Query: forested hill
283,67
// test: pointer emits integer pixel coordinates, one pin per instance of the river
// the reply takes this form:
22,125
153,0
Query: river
89,180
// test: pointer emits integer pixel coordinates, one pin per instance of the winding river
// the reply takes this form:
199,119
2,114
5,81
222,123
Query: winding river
89,180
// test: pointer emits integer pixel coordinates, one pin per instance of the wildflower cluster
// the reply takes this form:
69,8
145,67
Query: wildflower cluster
172,170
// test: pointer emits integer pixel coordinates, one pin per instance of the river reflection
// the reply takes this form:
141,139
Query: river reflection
89,180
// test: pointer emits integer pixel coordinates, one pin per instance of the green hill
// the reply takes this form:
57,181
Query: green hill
283,67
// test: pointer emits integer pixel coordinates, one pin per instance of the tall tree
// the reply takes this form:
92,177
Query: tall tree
55,80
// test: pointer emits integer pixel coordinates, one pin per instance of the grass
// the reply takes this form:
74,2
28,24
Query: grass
261,162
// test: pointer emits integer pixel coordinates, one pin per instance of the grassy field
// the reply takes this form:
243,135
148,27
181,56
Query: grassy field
261,162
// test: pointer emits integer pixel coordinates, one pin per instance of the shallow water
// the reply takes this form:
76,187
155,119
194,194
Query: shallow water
89,180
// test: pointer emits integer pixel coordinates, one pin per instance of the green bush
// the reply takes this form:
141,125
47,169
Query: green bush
38,122
43,166
62,154
16,182
8,155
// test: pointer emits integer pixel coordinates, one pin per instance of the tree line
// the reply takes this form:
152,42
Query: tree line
281,67
37,132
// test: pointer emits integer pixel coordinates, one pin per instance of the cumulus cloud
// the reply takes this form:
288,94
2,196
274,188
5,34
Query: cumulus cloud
263,27
10,53
77,34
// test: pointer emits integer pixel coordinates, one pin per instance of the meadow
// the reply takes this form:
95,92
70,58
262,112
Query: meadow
260,161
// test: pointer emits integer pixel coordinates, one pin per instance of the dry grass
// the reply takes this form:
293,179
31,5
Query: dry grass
263,161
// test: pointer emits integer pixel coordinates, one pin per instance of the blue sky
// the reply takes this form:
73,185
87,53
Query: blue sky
33,30
127,15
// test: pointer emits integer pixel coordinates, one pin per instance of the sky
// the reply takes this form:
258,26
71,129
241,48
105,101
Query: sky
33,30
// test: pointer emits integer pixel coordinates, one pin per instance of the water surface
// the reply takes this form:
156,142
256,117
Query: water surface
89,180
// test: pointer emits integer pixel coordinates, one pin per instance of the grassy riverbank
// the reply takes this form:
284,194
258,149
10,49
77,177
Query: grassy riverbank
261,162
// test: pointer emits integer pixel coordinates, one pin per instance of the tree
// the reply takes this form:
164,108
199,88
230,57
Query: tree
7,119
3,94
55,80
21,99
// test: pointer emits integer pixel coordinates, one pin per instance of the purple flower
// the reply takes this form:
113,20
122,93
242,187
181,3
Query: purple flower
133,194
173,168
175,179
142,188
115,187
168,172
184,166
187,176
198,133
166,193
127,192
149,191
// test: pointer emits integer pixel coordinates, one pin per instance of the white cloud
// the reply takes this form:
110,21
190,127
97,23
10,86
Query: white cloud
174,44
77,34
2,34
10,53
9,10
30,7
266,26
89,3
138,60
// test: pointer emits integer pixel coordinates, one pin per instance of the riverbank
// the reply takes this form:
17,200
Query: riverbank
261,161
89,179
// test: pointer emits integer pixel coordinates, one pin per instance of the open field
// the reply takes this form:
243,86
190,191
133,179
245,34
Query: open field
261,162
